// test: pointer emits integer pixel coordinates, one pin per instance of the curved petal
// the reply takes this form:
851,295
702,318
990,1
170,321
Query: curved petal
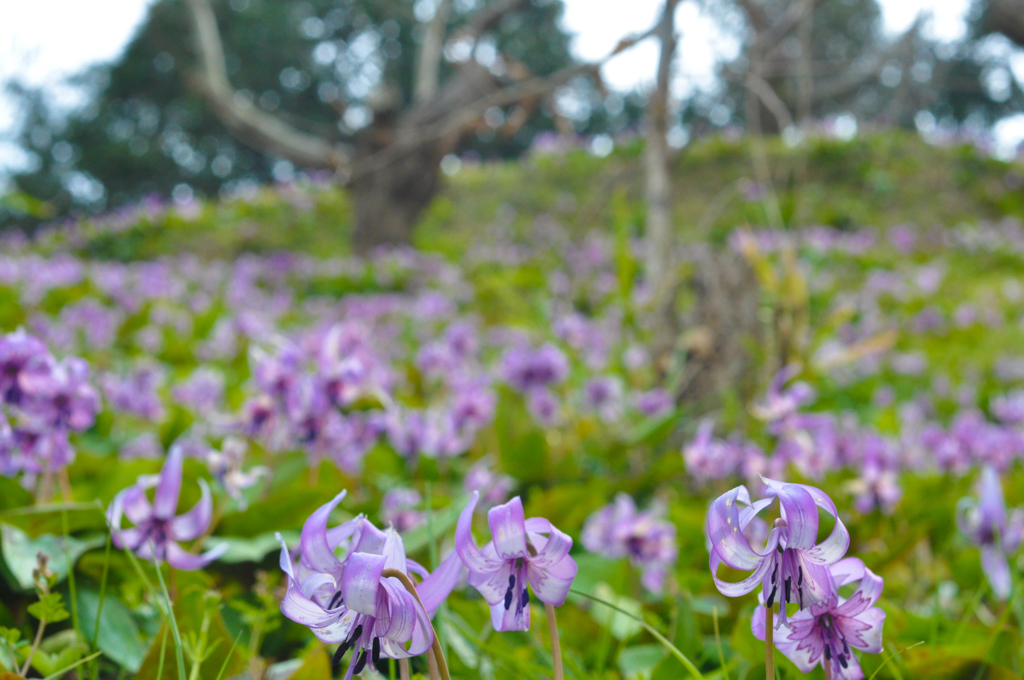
551,584
508,529
505,620
819,587
361,580
394,551
493,584
414,567
338,629
727,541
996,568
185,561
866,595
165,502
745,586
835,546
316,553
301,609
801,515
436,587
555,549
315,583
136,505
868,637
196,521
465,546
286,559
368,538
847,570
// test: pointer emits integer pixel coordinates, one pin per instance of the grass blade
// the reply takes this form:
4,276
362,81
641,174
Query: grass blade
227,658
891,657
76,664
163,651
170,614
650,629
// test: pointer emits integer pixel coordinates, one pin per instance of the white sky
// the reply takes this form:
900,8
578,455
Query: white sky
45,41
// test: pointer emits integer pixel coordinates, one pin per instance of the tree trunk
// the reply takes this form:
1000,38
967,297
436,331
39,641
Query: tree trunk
390,197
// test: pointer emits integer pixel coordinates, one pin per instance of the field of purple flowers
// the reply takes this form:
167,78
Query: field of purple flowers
287,466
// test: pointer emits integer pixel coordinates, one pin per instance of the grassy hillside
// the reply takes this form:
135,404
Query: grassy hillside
877,180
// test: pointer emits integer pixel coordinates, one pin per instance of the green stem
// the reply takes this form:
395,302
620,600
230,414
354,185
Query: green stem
71,573
99,607
35,646
718,643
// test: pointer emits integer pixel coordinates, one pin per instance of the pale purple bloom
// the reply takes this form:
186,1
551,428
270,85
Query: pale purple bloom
157,530
985,523
58,395
781,401
793,568
349,602
653,402
518,554
146,446
494,487
137,392
398,509
1009,408
544,407
203,390
527,369
226,467
707,457
17,351
603,396
618,530
827,633
472,406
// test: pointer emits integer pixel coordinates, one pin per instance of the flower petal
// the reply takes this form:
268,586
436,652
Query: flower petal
551,583
748,584
436,587
508,529
196,521
338,629
361,580
186,561
493,584
465,546
835,546
866,595
801,515
868,637
316,553
165,502
136,505
996,568
727,540
555,549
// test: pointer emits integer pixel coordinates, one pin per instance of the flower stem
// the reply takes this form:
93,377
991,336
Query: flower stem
556,645
769,643
403,669
828,669
35,646
442,665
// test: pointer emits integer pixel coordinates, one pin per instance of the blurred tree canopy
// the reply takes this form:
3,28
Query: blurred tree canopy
317,64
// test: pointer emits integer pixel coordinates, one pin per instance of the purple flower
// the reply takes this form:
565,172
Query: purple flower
349,602
18,350
527,369
157,530
398,508
780,403
793,568
603,395
827,633
203,390
59,394
618,530
986,525
138,392
518,554
493,486
226,467
543,406
709,458
653,402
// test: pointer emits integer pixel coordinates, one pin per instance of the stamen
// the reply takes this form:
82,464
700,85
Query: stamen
334,600
525,599
771,598
842,661
789,583
375,655
800,580
360,664
356,634
775,573
338,655
828,652
800,593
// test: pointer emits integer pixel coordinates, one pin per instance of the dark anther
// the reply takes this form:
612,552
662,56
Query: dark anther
525,598
789,584
780,549
846,649
775,572
342,648
508,599
842,661
771,598
828,652
356,634
800,579
334,600
360,664
375,655
511,581
800,593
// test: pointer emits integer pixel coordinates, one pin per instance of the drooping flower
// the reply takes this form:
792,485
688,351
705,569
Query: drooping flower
828,633
226,467
986,525
618,530
793,568
59,394
517,554
157,529
17,351
527,369
349,602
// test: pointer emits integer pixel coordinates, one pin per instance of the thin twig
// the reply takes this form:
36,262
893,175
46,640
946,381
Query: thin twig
769,643
35,646
556,645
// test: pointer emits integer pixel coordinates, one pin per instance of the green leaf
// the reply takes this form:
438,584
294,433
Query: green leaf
440,524
622,624
640,661
19,552
252,549
119,637
57,652
12,635
49,608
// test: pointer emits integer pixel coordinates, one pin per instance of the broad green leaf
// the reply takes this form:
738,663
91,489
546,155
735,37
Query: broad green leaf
252,549
49,608
639,662
441,524
46,519
19,552
621,626
119,637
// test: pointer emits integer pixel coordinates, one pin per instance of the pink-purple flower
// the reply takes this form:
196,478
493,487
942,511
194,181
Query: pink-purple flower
793,567
518,553
827,633
985,523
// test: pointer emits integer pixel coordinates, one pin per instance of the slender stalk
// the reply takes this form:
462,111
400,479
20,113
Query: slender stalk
432,666
718,643
72,590
442,665
163,653
556,645
769,643
35,646
403,669
65,485
827,665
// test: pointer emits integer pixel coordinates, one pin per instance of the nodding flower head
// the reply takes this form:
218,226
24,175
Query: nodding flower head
518,553
793,568
985,523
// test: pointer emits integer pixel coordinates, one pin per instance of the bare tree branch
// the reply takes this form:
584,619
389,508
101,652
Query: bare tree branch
261,131
770,99
488,18
857,75
428,63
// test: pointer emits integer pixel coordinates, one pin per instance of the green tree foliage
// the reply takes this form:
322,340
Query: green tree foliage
318,64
